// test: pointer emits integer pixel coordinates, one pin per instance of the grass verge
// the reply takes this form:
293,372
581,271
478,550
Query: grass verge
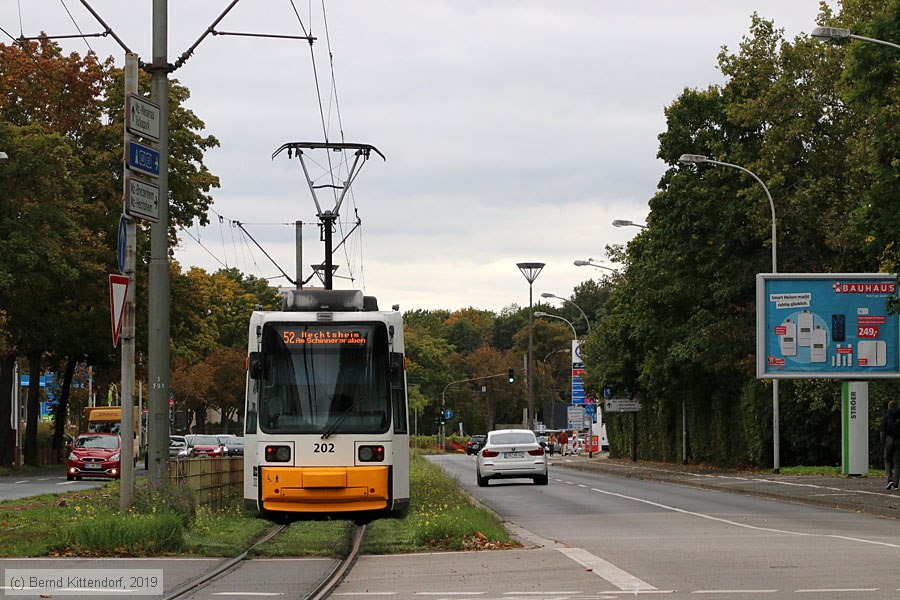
166,521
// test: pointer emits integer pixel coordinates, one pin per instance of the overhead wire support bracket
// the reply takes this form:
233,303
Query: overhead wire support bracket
286,276
328,218
107,31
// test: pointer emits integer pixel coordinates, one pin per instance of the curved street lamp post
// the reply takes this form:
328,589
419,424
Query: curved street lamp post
549,295
627,223
589,263
575,337
838,33
700,159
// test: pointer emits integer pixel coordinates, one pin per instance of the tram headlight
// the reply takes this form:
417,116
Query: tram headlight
371,453
278,453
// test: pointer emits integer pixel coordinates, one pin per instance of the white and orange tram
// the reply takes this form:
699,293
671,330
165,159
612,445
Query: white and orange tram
326,420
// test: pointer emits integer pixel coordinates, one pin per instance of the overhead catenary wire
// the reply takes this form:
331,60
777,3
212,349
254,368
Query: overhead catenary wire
327,116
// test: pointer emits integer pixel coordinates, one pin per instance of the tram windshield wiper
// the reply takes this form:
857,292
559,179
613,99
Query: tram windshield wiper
330,431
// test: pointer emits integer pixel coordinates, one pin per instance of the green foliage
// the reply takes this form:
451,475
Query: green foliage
164,495
127,535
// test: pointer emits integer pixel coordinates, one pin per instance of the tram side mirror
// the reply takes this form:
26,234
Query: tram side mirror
396,369
254,365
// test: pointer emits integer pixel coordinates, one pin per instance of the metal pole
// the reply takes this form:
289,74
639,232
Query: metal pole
634,436
298,235
126,427
159,285
683,433
530,362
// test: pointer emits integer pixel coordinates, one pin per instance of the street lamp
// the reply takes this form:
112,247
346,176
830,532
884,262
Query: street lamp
626,223
530,270
4,156
549,295
699,159
543,314
589,263
838,33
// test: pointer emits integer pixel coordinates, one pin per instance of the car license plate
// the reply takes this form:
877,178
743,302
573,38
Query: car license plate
92,466
513,455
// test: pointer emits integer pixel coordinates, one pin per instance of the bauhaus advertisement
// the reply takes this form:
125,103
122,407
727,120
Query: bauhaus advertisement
834,326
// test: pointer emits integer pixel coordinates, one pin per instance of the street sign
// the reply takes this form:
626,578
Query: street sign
122,243
141,199
589,409
143,159
621,405
118,292
575,417
142,117
448,414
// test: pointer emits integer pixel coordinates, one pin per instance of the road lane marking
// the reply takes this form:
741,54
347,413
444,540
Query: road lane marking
835,590
621,579
734,591
745,525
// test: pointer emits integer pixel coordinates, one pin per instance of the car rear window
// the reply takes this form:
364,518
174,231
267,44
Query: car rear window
513,438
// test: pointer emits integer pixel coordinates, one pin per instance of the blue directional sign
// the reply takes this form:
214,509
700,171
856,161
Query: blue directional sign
589,409
143,159
448,414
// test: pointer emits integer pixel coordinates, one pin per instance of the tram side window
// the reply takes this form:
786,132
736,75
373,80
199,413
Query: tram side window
400,420
252,399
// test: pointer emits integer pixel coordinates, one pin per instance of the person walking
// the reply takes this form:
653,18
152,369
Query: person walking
563,443
890,437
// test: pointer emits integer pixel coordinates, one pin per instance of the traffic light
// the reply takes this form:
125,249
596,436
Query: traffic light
511,375
443,421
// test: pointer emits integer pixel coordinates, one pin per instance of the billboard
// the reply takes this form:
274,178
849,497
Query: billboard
826,326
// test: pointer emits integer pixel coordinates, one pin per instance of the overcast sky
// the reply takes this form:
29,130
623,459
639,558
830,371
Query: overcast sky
514,130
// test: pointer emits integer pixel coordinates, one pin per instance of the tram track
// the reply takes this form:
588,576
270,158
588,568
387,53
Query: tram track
320,589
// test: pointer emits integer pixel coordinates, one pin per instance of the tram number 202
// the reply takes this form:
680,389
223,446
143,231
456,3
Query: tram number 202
323,448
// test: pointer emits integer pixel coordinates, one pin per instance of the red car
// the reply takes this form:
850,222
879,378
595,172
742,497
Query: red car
94,455
204,445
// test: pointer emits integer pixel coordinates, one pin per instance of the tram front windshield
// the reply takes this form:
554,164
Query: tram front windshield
324,378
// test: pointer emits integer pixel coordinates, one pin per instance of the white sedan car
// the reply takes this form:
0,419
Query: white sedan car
511,453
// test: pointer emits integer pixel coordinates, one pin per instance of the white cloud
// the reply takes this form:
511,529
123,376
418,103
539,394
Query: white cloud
513,130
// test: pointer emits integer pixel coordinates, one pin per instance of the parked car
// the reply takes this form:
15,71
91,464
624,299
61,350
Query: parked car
178,447
474,444
511,453
234,446
204,445
94,455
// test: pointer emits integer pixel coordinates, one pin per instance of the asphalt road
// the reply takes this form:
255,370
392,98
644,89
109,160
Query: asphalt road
591,535
43,482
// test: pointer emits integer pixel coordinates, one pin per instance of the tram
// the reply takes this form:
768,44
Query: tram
326,419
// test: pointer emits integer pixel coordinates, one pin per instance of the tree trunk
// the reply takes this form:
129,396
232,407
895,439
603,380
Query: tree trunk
7,433
33,408
62,409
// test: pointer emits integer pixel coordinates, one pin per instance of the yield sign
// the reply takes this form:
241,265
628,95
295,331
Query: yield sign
118,292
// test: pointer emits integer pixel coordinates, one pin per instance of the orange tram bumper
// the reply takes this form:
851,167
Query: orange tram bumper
324,489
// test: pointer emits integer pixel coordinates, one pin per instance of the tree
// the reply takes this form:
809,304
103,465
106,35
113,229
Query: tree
71,241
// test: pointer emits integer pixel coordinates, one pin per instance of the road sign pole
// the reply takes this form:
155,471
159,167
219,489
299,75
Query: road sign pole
126,427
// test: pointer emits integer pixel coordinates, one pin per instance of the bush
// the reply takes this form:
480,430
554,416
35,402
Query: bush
127,534
164,496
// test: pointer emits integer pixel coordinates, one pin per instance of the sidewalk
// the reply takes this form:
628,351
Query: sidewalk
855,494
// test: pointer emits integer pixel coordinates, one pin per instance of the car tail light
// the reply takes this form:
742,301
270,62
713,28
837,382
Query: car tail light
278,453
489,453
371,453
536,452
